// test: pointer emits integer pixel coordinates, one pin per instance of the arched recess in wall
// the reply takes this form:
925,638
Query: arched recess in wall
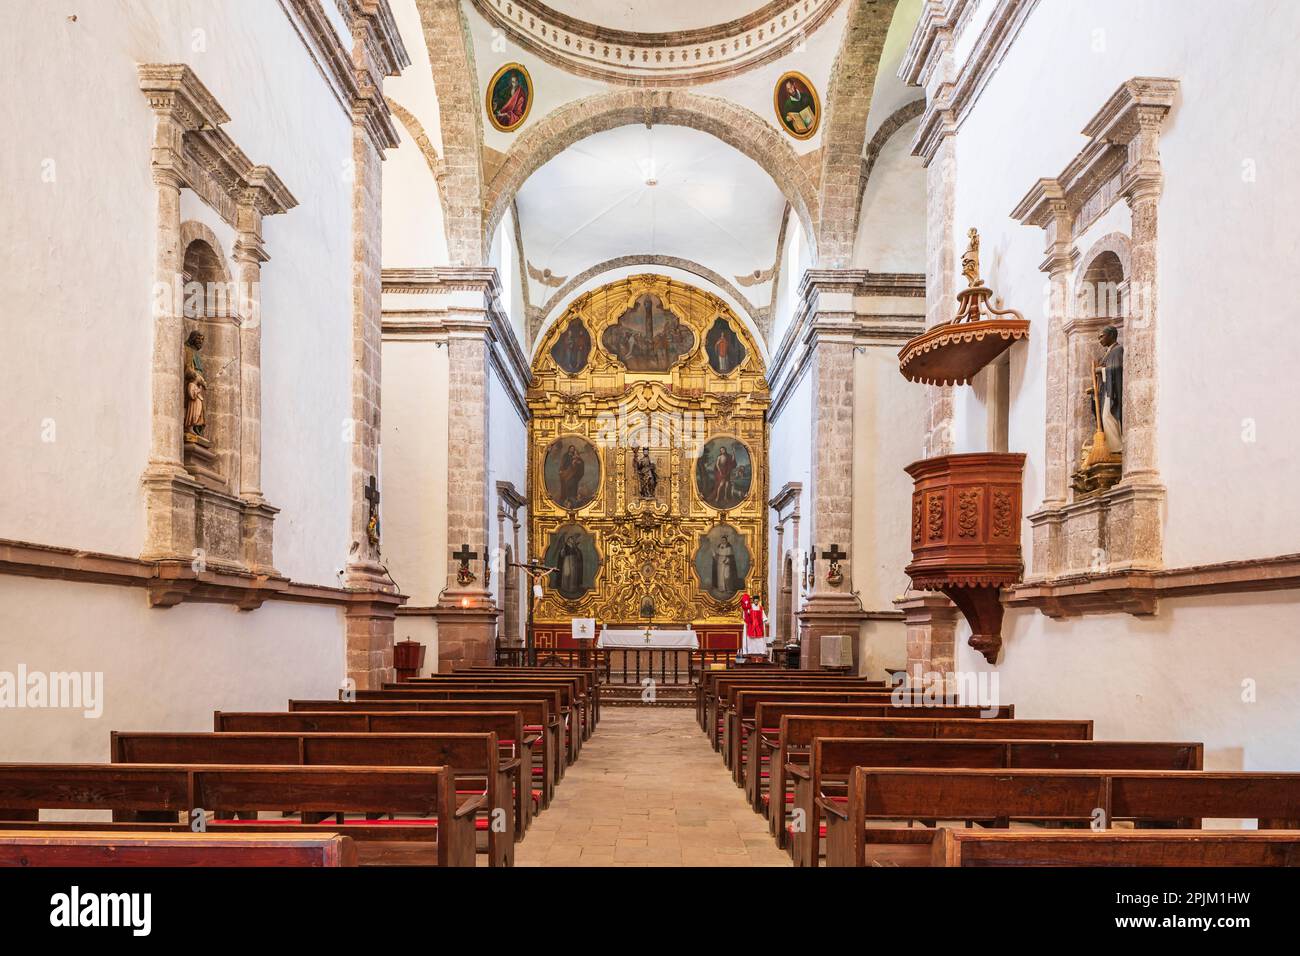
734,125
211,308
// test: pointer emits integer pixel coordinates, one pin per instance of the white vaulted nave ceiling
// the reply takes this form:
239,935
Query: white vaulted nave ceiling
666,191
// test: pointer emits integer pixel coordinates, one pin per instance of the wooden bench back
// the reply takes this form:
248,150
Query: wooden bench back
747,701
798,728
553,696
508,725
82,848
1116,848
727,693
535,712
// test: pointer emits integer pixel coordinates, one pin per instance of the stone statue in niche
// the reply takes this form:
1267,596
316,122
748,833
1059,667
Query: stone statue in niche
1102,458
196,388
647,475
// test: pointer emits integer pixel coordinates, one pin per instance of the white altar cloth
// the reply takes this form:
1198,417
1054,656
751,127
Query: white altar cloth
611,637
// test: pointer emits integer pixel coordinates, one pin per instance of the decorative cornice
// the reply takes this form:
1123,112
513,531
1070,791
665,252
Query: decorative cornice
171,582
684,57
1138,592
787,497
192,150
504,349
949,104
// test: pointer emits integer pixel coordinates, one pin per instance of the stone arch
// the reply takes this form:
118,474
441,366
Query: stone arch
1108,260
738,127
555,307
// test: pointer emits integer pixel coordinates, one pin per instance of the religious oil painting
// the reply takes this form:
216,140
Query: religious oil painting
723,347
571,472
648,337
509,97
724,473
571,550
572,349
722,562
797,106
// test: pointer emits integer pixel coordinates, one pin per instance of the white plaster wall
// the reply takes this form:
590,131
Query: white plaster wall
507,461
790,459
1226,347
162,669
414,228
77,241
891,223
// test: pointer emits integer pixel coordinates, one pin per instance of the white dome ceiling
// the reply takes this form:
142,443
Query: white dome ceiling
656,16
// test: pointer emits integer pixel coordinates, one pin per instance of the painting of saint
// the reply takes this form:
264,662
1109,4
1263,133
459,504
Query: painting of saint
648,337
722,562
797,106
723,347
509,97
572,348
571,472
724,473
571,550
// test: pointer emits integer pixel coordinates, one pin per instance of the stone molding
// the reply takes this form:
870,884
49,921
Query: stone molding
1139,592
829,309
679,58
355,82
169,582
436,323
949,100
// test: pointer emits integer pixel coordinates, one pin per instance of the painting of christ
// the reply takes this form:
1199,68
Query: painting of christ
572,348
722,562
571,472
648,337
723,347
724,473
509,97
571,550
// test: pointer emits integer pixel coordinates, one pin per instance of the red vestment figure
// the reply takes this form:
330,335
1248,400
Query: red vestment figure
755,637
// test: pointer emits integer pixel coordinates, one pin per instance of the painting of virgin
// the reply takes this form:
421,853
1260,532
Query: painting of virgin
571,550
723,347
571,472
648,337
722,562
509,97
797,106
724,473
572,349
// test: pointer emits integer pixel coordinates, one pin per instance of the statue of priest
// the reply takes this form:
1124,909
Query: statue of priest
754,643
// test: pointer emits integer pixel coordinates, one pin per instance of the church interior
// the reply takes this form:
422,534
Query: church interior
553,433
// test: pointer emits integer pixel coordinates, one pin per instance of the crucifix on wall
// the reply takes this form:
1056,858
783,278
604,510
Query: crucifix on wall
834,577
464,576
371,493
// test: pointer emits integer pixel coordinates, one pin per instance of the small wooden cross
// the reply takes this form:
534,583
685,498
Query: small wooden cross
464,555
464,576
371,492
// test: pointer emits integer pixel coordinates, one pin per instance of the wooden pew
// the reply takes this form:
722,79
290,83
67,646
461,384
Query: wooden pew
1181,797
539,718
554,695
747,700
833,758
508,725
575,698
444,836
724,697
590,679
704,687
475,758
81,848
1115,848
799,723
717,693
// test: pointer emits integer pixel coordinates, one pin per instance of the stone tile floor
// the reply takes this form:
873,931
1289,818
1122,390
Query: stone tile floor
648,790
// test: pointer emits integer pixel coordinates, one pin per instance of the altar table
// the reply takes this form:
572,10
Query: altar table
659,639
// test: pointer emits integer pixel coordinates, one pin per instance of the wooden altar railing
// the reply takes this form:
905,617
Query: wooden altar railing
620,665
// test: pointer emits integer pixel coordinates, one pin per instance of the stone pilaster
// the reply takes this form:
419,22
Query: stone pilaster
376,53
931,621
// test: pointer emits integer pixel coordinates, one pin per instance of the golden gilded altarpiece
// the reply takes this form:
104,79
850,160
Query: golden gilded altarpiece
647,469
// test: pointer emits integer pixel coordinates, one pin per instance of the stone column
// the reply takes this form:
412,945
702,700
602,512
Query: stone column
931,621
466,613
829,608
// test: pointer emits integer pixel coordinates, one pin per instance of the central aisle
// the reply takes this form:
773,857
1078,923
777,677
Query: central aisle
648,790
